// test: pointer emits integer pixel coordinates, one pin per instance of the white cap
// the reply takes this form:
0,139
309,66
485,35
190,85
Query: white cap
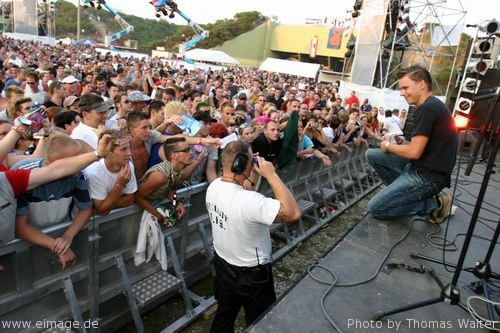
69,79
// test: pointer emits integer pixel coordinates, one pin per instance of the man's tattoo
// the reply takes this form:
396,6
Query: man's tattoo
280,217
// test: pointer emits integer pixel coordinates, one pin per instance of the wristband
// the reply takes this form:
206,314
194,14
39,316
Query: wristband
17,129
97,155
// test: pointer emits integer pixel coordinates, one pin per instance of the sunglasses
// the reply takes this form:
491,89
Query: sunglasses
243,126
185,150
30,82
127,101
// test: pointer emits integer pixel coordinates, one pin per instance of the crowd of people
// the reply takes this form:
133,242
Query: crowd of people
128,114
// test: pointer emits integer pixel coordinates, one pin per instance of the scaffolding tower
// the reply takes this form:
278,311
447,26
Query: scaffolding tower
423,31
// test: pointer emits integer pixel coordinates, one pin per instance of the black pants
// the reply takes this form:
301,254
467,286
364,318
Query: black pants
252,288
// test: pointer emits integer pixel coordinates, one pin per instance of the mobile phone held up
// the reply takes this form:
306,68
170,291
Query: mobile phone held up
33,119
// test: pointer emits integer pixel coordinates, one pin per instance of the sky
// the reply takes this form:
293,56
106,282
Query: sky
290,11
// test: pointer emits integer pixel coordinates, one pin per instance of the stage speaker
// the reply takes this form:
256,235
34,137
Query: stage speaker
475,98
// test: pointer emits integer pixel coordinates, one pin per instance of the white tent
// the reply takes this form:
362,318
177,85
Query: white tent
387,98
211,56
290,67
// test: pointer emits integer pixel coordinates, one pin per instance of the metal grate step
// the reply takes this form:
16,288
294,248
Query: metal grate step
327,193
359,175
346,183
305,205
154,286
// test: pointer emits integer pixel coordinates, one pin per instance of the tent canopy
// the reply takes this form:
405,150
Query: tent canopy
290,67
211,55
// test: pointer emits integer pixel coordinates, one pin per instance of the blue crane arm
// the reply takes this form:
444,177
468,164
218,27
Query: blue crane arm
127,28
163,7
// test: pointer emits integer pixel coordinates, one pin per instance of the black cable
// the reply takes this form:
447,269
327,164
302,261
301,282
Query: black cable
334,283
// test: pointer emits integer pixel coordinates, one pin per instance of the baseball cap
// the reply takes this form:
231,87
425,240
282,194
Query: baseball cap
92,101
242,96
70,100
69,79
203,116
137,96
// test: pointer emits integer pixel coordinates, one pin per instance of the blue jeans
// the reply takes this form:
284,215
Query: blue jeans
407,192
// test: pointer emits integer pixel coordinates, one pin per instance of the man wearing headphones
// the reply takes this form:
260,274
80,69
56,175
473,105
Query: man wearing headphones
240,227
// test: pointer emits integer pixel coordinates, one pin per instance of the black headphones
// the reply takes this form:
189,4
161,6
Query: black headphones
240,161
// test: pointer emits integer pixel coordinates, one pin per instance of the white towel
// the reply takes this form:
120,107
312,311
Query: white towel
150,240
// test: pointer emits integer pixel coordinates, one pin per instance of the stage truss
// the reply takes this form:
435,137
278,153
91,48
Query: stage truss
432,34
38,13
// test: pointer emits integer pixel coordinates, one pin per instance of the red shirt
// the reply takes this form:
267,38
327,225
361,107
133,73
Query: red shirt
18,179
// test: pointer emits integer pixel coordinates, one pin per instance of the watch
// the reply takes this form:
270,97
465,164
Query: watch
97,155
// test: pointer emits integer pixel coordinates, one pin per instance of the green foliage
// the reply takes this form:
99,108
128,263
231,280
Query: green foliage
220,31
66,22
97,23
149,33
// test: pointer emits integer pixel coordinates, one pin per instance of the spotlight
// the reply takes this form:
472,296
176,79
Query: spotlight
490,27
471,85
402,27
348,54
355,14
480,66
172,15
463,105
357,5
351,43
484,46
461,122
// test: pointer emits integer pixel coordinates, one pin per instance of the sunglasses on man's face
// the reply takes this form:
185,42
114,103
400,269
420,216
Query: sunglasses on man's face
185,150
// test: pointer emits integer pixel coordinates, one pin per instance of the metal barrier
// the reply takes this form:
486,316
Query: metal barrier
108,288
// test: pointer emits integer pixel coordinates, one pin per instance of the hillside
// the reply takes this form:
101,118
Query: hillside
150,33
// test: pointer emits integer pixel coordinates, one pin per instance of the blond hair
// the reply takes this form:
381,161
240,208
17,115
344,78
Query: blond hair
174,108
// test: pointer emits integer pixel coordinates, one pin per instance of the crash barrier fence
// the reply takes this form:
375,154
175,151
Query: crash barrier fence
105,289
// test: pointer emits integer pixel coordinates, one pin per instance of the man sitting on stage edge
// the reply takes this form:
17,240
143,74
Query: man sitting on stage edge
240,226
415,172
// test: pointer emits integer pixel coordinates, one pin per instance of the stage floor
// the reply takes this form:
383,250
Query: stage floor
357,257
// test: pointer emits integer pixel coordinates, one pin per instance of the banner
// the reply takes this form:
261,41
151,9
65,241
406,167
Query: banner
370,32
25,17
335,38
447,35
314,47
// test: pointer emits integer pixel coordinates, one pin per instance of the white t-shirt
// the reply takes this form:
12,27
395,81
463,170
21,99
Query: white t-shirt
102,181
392,126
85,133
38,97
115,122
240,223
328,133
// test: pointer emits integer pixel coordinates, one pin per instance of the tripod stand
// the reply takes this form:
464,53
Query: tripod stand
450,294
